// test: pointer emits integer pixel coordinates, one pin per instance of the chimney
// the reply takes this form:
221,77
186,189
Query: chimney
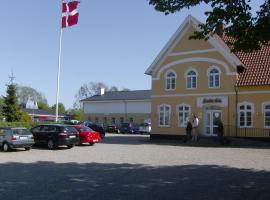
102,91
220,29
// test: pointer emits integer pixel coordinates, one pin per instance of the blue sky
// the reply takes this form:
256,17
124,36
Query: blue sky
114,42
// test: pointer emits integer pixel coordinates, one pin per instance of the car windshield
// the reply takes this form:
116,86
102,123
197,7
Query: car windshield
21,132
85,128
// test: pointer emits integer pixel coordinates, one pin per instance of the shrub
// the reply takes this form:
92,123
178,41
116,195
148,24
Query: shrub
28,125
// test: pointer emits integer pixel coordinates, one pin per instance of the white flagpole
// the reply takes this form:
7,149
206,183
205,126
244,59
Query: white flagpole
59,69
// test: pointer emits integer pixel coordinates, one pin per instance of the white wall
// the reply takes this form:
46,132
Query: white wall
129,107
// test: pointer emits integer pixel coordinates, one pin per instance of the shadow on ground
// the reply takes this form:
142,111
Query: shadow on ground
203,142
49,180
126,139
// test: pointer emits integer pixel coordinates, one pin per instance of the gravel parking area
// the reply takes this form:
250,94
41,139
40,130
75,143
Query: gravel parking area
133,167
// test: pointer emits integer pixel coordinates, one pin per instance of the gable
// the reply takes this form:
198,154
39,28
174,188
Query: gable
186,45
181,45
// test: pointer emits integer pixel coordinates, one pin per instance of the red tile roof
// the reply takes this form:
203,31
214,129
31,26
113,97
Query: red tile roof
257,65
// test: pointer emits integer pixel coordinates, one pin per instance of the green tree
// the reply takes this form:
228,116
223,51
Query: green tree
43,106
61,108
1,108
25,117
113,89
77,114
125,89
11,110
249,31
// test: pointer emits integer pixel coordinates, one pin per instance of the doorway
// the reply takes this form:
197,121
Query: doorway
212,119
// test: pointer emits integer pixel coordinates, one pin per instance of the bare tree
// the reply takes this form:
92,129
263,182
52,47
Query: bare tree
88,90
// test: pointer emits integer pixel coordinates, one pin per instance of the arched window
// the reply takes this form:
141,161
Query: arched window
164,112
191,79
266,113
245,111
213,78
183,111
170,80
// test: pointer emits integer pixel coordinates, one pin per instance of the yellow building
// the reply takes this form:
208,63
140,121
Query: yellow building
206,79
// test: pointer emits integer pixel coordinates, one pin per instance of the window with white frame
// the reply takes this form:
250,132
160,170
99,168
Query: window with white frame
170,80
164,115
191,79
266,111
214,78
245,111
183,111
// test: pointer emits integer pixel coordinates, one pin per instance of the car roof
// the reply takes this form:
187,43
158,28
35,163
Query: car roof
61,125
12,128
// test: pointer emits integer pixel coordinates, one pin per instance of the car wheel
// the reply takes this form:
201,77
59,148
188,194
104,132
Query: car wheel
6,147
91,143
27,148
51,145
70,146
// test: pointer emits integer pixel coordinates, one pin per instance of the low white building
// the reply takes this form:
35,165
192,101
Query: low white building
118,107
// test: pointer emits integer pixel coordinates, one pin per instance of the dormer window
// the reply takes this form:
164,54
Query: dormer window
170,80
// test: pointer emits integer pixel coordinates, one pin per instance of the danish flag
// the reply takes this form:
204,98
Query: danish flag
70,13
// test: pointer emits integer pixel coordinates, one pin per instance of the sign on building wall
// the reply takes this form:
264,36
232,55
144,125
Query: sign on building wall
221,101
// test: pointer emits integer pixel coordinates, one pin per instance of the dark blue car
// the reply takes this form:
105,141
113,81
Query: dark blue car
129,128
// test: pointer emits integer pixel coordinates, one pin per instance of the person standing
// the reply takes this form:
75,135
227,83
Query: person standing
195,125
188,131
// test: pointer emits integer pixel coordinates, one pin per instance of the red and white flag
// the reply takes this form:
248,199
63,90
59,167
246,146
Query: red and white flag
70,14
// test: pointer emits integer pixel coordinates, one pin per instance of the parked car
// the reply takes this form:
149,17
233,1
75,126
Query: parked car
129,128
87,135
96,128
54,135
113,128
11,138
145,128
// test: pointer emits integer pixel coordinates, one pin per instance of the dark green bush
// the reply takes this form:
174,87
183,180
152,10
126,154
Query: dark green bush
28,125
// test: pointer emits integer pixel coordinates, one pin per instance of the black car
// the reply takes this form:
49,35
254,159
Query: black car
54,135
129,128
113,128
96,128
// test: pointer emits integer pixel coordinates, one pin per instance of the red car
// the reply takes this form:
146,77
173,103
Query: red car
87,135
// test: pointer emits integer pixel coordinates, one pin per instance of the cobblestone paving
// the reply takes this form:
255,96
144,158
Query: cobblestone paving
133,167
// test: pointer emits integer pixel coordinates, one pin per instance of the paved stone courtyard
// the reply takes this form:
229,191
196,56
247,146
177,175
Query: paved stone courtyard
133,167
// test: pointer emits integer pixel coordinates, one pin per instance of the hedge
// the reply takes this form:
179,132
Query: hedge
28,125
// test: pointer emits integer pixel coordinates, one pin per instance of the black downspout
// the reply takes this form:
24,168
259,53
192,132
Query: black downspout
236,109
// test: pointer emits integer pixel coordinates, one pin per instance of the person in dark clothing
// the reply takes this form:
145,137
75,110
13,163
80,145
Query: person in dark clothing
188,131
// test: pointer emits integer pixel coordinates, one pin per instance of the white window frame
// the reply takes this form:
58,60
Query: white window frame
187,77
264,112
164,115
170,79
185,120
213,75
245,104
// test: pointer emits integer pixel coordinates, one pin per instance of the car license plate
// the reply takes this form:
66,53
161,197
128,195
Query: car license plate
72,136
23,138
95,140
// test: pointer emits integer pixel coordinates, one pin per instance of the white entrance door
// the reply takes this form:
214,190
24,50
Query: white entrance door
212,119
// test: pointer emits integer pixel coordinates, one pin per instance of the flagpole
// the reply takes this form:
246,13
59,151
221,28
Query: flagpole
59,70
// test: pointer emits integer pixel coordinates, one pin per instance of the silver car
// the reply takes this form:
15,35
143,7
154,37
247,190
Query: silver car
145,128
11,138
